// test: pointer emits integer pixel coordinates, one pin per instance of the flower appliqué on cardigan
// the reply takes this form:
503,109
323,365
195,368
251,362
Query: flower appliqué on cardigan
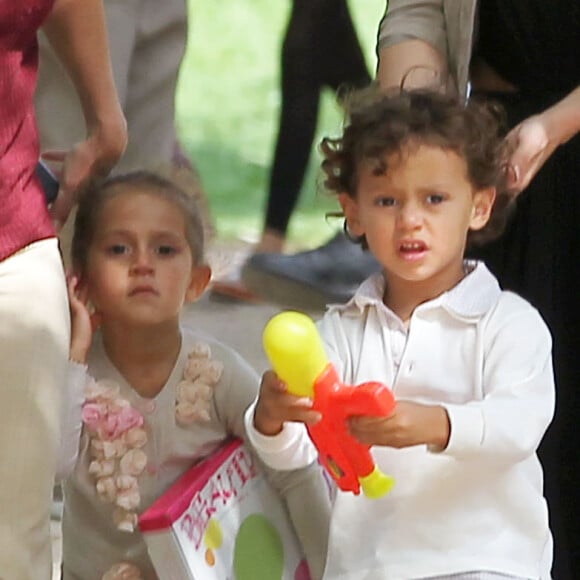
116,439
195,391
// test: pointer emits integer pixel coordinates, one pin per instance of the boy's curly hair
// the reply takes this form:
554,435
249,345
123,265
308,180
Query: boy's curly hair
380,124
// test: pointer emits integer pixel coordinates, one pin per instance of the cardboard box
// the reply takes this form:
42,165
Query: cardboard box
222,521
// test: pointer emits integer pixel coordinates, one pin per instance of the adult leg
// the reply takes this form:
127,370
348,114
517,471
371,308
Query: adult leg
310,279
158,49
320,48
34,343
301,84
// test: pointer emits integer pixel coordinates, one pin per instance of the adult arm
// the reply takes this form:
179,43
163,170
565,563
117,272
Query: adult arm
412,44
535,139
77,33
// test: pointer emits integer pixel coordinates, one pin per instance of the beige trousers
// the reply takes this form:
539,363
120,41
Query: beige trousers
34,343
147,40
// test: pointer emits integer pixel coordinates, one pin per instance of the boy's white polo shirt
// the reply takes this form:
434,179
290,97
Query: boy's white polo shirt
483,354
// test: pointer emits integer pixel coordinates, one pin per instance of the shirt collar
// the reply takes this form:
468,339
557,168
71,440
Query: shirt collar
475,294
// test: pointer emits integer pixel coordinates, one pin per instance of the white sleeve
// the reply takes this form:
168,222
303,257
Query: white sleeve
508,424
71,419
290,449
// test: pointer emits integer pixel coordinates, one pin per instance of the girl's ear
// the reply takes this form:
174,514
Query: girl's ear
350,210
482,206
200,277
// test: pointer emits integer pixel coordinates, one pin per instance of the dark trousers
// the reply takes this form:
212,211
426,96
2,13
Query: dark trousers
320,49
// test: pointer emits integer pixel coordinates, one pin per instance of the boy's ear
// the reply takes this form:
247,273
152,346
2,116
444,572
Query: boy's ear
482,205
350,210
200,277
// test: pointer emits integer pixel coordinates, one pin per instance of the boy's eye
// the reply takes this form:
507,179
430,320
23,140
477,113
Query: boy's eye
385,201
435,198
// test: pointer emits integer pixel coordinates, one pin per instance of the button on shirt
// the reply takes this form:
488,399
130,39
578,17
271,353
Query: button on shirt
484,355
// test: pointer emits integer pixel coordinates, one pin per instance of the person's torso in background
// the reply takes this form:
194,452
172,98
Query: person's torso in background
23,215
533,44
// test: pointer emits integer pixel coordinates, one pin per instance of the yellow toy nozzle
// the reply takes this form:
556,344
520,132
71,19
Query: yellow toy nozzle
293,345
376,484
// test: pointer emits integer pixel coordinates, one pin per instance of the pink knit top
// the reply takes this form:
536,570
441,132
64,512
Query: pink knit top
23,214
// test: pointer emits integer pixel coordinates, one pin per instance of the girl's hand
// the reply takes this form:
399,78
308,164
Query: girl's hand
82,323
275,406
409,424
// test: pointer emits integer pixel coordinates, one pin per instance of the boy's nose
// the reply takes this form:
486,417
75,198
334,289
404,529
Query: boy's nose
409,216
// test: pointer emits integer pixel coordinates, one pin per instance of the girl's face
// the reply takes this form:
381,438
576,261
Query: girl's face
140,268
416,217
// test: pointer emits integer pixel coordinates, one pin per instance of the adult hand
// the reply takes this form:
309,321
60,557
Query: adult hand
531,143
536,138
276,406
90,159
409,424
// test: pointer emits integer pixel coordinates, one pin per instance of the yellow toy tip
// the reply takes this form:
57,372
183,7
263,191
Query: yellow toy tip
376,484
294,347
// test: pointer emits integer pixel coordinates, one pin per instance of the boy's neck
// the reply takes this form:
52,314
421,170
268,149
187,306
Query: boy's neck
404,296
144,356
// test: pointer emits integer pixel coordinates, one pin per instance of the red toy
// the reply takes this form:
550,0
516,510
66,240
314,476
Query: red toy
297,355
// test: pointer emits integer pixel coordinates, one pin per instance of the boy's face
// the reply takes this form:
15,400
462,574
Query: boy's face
416,217
140,268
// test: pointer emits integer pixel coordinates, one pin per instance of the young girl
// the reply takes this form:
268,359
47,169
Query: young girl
416,175
157,397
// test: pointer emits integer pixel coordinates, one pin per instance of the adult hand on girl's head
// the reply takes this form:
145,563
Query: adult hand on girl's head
83,323
409,424
87,160
275,406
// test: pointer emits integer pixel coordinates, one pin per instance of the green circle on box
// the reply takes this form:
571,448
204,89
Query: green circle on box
258,551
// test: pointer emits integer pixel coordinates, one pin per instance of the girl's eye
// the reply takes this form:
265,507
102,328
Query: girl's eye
435,199
166,250
118,249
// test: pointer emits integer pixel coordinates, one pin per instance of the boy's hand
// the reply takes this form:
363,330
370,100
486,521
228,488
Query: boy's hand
409,424
82,323
275,406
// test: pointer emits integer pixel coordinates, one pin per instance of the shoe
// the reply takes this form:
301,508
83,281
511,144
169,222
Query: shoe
226,264
310,280
233,290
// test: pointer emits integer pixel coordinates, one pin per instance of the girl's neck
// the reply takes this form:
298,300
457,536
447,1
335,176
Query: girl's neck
404,296
145,357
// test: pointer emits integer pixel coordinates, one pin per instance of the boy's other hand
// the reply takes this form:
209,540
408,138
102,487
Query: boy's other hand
409,424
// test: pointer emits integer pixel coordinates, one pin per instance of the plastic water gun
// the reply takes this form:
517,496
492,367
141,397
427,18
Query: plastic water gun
296,352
